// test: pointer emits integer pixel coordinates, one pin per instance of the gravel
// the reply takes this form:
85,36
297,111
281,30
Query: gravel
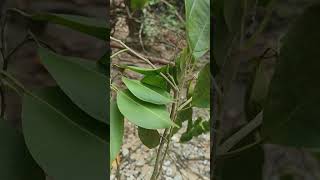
185,160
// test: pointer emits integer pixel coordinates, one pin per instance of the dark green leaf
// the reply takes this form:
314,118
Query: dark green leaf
147,71
195,129
258,90
182,116
138,4
116,130
146,92
65,141
16,162
155,80
91,26
149,137
198,26
81,81
201,94
291,115
88,25
103,65
143,114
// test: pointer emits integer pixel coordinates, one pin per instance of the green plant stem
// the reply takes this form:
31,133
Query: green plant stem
174,115
165,152
185,104
165,138
113,87
174,111
239,150
235,139
156,165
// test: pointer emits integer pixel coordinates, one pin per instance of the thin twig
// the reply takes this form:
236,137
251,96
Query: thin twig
134,52
117,53
145,60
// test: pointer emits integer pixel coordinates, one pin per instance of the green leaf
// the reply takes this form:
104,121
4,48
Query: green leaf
291,114
198,127
182,116
65,141
147,71
258,90
146,92
198,26
246,165
143,114
16,162
116,130
91,26
149,137
103,65
201,94
260,85
81,81
138,4
155,80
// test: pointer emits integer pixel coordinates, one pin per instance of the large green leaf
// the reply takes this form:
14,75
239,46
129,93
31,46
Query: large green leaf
16,162
81,81
116,130
149,137
65,141
143,114
201,93
146,92
88,25
291,115
198,26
